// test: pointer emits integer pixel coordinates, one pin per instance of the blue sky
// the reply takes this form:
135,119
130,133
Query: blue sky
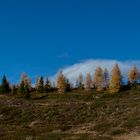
41,36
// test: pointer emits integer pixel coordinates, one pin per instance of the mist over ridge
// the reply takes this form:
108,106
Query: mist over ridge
89,66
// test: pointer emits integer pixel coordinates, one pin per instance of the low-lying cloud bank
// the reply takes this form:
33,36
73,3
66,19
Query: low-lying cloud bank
72,72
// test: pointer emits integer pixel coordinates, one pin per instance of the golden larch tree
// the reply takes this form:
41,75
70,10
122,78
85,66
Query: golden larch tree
23,77
98,79
25,85
88,82
26,79
133,75
61,82
116,79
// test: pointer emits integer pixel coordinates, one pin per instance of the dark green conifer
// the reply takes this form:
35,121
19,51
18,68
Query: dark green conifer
40,85
47,86
5,88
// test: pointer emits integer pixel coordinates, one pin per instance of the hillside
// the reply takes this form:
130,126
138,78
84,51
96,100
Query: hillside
72,116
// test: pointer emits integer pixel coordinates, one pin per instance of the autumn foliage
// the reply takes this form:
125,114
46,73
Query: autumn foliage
115,81
88,82
101,81
98,79
132,75
61,82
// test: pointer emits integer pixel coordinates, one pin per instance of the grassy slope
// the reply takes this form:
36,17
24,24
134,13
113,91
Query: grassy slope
75,115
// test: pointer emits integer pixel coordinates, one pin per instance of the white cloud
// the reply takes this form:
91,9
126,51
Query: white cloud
72,72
